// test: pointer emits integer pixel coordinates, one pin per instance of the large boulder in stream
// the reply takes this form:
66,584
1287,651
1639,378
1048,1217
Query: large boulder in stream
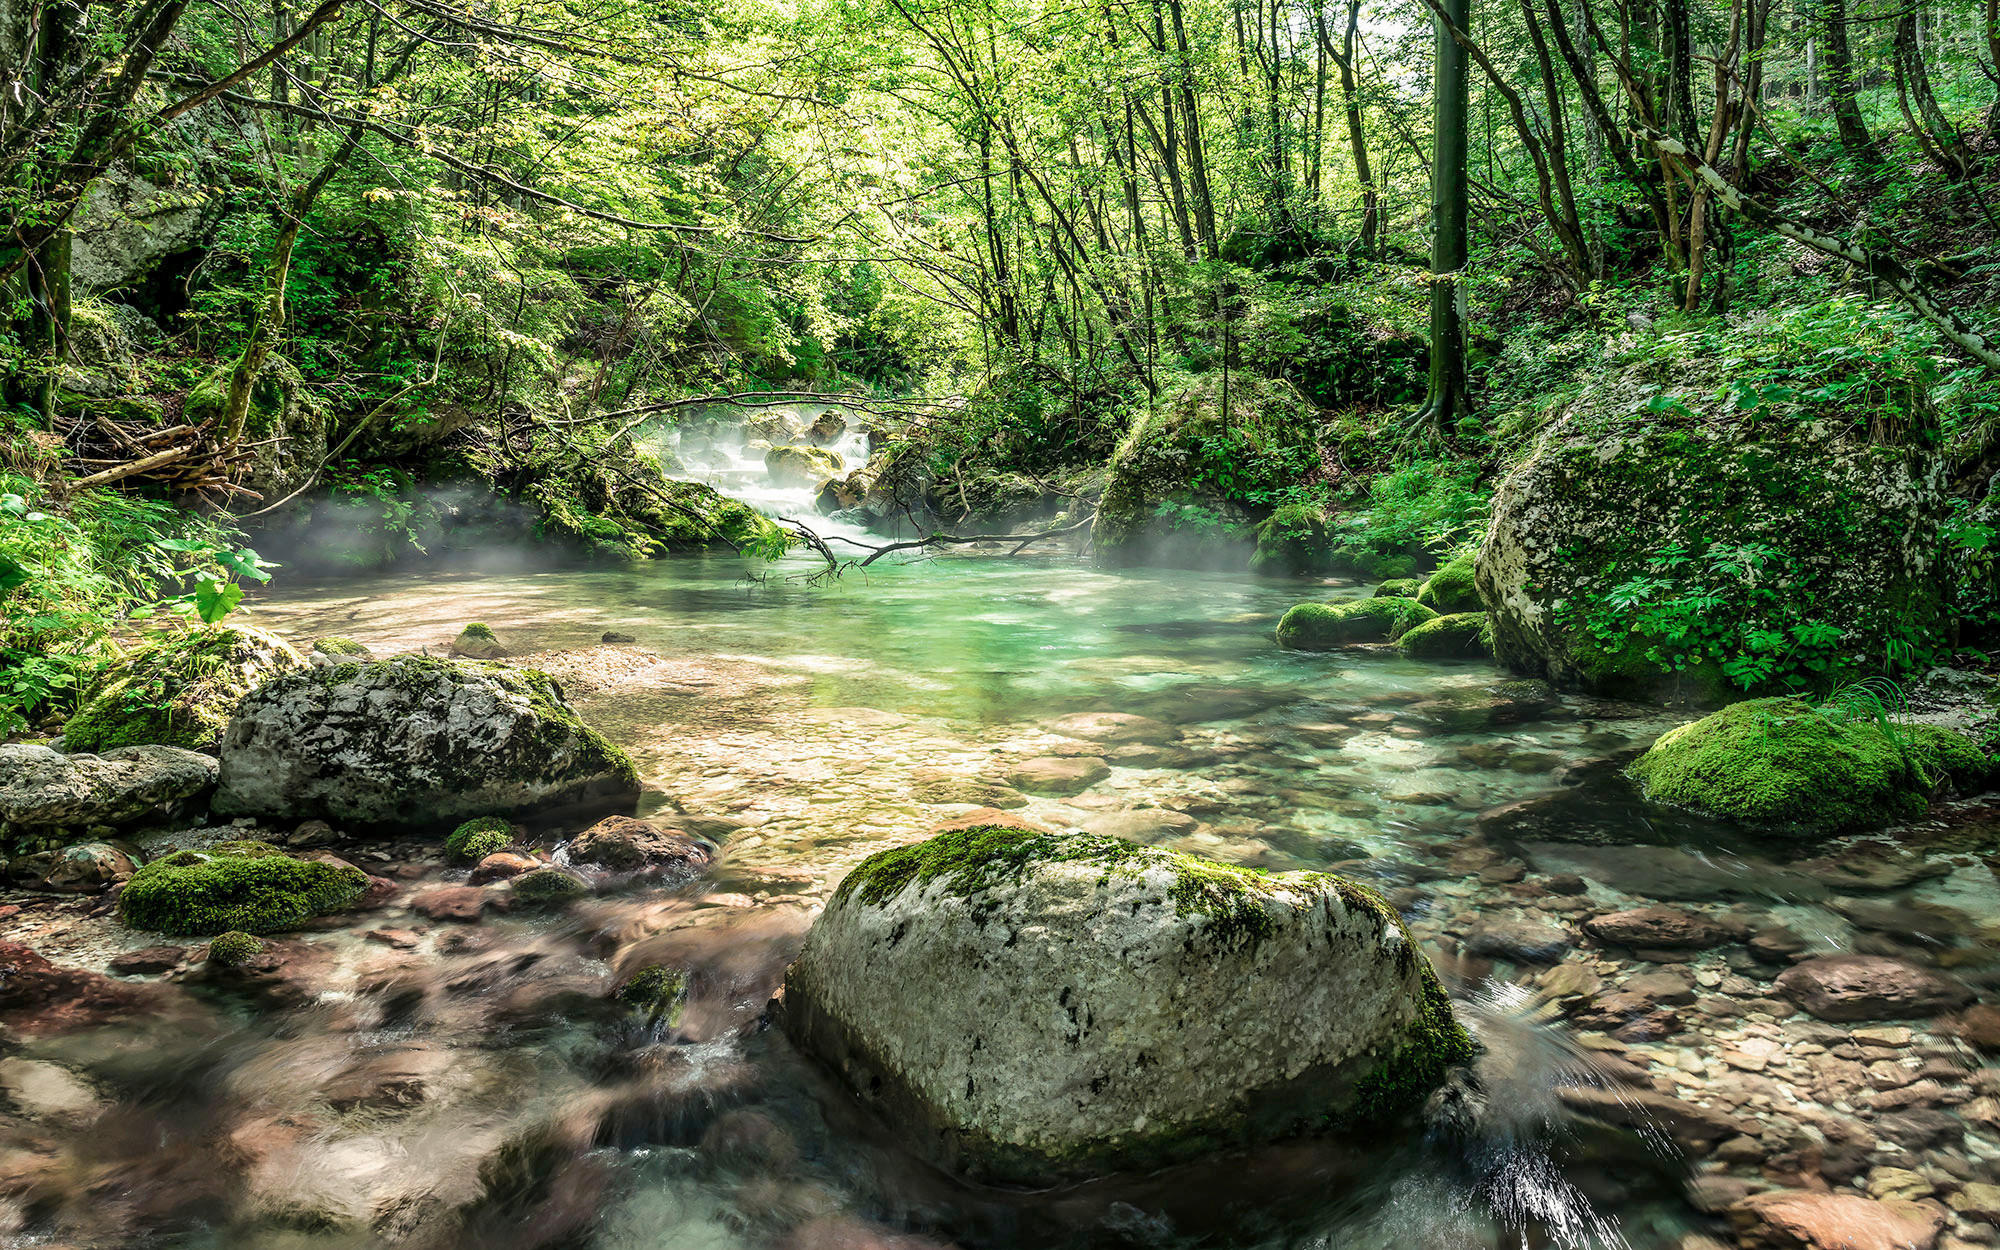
417,743
43,790
1699,535
1037,1006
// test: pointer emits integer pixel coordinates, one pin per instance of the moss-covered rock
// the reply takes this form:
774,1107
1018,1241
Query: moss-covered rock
802,466
1324,626
1182,478
970,986
1292,541
657,990
341,648
179,691
1399,588
548,887
1452,589
477,641
234,948
285,424
1461,636
1804,520
417,743
1785,766
477,838
235,885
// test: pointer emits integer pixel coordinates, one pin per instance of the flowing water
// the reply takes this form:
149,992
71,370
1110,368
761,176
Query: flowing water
396,1081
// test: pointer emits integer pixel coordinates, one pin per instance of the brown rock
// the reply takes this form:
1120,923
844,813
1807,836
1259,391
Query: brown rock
453,902
400,939
966,790
1142,824
1050,774
37,996
149,960
1824,1221
623,844
1521,941
1869,987
1661,928
1980,1027
501,865
1114,727
1685,1122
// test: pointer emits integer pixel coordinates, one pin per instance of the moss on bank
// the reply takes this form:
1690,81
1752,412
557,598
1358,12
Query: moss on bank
1324,626
179,691
1782,764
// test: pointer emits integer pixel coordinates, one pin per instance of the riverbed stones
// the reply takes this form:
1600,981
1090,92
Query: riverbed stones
42,789
1013,1000
417,743
1655,928
1114,727
1789,1219
179,691
1058,775
1870,987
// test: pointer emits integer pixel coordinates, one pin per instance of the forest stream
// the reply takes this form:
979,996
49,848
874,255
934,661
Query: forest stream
391,1057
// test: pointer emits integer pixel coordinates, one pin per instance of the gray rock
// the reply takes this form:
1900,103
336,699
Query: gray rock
1521,941
127,225
1034,1006
43,789
415,743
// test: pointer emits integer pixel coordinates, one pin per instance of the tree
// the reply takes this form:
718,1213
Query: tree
1447,397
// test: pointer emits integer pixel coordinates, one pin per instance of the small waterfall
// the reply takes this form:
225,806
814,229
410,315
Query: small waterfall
725,447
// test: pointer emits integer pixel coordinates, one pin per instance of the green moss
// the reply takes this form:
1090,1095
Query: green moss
548,887
477,640
1293,540
1464,636
657,990
1235,901
179,691
1399,588
1324,626
478,630
342,647
251,887
1432,1045
1781,764
234,948
1452,589
477,838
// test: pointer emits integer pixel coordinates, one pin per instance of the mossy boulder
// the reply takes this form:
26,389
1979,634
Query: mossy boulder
417,743
341,648
1784,766
248,886
1294,540
1325,626
475,839
1796,519
1034,1007
1452,589
234,948
477,641
1181,479
1399,588
548,887
179,691
802,466
1460,636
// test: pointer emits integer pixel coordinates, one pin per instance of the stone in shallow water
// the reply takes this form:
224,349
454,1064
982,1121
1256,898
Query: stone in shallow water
1113,727
1656,928
1040,1006
1521,941
1870,987
1828,1221
623,844
1141,824
966,790
1054,775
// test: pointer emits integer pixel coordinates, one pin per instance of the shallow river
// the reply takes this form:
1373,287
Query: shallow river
430,1083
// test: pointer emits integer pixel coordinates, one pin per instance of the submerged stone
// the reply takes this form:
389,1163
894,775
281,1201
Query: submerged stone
1782,764
178,692
1038,1006
417,743
1324,626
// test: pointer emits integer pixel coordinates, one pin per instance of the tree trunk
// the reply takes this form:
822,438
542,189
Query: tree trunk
1447,399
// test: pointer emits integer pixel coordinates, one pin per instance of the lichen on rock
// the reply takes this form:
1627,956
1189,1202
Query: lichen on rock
417,743
1011,996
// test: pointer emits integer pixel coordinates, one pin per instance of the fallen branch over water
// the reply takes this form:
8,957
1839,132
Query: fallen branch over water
836,566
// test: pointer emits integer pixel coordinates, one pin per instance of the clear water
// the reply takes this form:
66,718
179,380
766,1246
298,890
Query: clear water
804,721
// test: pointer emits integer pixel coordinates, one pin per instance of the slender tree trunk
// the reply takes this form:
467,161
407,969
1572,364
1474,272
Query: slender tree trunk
1448,399
1840,84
